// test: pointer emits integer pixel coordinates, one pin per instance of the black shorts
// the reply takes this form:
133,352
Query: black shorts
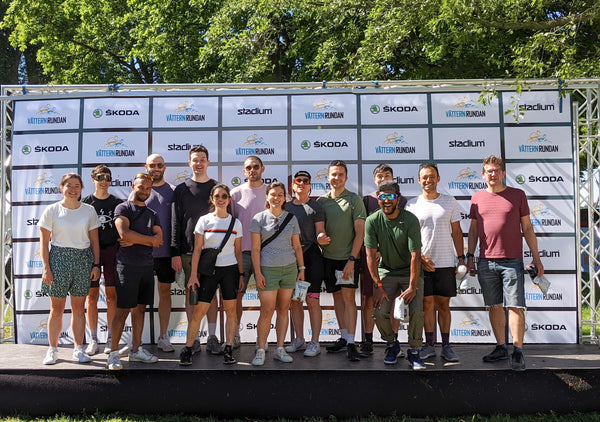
313,261
135,285
330,266
441,282
226,277
163,270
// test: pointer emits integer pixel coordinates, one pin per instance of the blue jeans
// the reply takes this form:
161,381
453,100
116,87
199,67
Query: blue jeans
502,282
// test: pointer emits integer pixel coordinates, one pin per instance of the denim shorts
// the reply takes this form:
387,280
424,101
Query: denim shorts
502,282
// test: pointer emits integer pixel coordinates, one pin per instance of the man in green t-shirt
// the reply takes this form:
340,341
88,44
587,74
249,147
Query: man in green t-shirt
396,234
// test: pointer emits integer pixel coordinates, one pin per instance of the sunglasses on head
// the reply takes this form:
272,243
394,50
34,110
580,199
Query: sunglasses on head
159,165
388,196
253,167
302,180
103,177
144,176
222,196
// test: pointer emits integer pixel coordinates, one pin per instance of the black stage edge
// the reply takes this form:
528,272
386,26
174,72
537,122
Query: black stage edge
560,379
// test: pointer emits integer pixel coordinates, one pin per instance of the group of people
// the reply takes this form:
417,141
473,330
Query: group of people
220,238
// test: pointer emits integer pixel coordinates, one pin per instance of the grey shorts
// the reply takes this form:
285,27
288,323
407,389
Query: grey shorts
502,282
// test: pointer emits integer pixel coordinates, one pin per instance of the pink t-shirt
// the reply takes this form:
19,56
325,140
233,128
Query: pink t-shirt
498,218
246,202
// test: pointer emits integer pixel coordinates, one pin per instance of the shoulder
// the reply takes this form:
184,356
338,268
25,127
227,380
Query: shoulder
88,199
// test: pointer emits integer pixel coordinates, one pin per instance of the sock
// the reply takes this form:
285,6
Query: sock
350,338
228,349
503,346
369,337
429,338
343,332
445,339
212,328
94,334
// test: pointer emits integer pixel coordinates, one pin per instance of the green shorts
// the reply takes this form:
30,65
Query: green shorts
280,277
71,269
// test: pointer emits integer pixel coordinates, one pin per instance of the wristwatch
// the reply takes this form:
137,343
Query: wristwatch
95,265
351,258
461,257
470,255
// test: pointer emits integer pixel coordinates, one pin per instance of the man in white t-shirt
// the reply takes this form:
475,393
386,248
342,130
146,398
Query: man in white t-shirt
441,236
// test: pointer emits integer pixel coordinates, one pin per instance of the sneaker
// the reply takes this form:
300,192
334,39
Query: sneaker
124,351
339,345
107,346
352,353
400,351
80,356
228,358
448,354
296,344
196,347
237,341
414,360
312,349
391,353
165,345
427,351
185,357
51,356
256,346
213,346
92,348
114,361
365,349
142,356
281,355
499,353
259,359
517,361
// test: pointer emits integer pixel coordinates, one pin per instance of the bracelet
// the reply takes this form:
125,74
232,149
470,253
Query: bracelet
241,274
302,267
470,255
96,266
379,285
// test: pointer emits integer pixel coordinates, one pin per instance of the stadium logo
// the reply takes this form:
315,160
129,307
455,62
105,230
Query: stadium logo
115,147
185,111
544,253
542,216
538,141
181,147
466,143
464,108
467,178
120,183
43,185
254,145
395,144
253,111
536,107
324,109
47,115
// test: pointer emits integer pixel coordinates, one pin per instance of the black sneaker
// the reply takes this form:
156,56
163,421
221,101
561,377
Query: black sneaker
228,358
365,349
499,353
517,361
339,345
185,357
352,353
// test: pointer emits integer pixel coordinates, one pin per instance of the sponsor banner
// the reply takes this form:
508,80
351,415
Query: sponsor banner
176,175
38,184
334,109
254,111
464,207
460,179
556,253
251,296
315,144
120,185
538,142
114,147
44,149
46,115
468,294
458,143
552,215
470,326
406,175
175,147
330,330
234,176
113,113
29,296
24,221
189,112
463,108
33,329
177,329
536,107
269,145
177,295
401,109
248,332
550,327
395,144
27,259
319,183
561,293
537,178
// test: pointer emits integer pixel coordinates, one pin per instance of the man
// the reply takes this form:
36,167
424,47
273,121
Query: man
441,236
190,202
395,233
499,219
345,223
382,172
247,200
140,232
104,203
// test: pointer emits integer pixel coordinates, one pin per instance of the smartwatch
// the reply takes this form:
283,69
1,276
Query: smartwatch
351,258
461,257
470,255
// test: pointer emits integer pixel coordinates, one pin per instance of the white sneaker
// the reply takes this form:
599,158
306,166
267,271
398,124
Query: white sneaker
80,356
124,351
312,349
259,359
296,344
142,356
281,355
51,356
165,345
256,346
114,361
107,348
92,348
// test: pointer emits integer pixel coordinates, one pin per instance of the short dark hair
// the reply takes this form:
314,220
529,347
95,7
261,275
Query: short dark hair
211,206
382,168
338,163
389,185
492,159
254,157
428,166
199,148
100,169
273,185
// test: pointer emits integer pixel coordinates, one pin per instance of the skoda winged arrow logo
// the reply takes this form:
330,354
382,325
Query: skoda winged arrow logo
97,113
374,109
305,145
520,179
26,149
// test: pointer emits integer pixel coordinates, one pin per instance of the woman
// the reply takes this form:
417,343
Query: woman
277,267
229,274
71,264
311,219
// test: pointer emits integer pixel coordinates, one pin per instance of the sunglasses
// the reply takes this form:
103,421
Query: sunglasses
103,177
254,167
301,181
144,176
159,165
222,196
388,196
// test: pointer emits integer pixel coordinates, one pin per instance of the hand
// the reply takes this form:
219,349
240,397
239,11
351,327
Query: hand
47,277
241,284
176,263
428,264
471,267
409,294
300,276
379,295
95,274
157,240
125,243
348,270
539,266
323,239
261,283
193,281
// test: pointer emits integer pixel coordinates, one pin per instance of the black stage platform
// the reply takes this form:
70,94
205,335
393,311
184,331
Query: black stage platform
559,378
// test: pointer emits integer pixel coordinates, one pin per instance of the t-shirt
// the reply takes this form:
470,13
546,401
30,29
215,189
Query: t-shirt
279,252
214,229
396,239
141,220
307,214
498,218
246,202
436,217
190,202
340,214
69,228
105,208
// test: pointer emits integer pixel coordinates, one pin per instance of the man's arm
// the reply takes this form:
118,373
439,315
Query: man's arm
133,237
379,293
415,272
471,245
176,263
359,238
531,240
457,238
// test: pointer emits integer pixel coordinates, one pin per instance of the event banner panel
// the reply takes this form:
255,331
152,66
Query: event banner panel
550,327
406,175
50,114
536,107
267,144
234,176
114,147
323,109
463,108
319,183
552,215
121,184
113,113
392,144
557,253
27,259
24,221
324,144
175,147
471,326
185,112
396,109
538,143
460,143
460,179
29,296
255,110
541,178
45,149
177,328
37,185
